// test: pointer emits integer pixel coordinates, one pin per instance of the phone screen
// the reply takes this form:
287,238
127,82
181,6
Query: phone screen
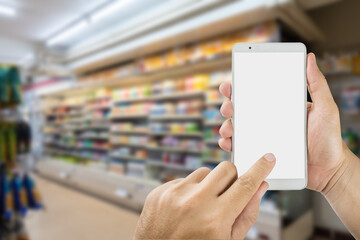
269,111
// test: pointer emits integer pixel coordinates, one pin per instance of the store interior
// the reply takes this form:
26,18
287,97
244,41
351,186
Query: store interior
102,101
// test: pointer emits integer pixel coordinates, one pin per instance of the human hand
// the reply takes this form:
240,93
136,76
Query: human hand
206,204
326,150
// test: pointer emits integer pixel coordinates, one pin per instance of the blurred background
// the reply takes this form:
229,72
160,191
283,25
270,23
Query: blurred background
102,101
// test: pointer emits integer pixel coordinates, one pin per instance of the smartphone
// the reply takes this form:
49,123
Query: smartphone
269,95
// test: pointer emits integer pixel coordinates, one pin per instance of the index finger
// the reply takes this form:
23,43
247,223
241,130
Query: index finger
243,189
225,89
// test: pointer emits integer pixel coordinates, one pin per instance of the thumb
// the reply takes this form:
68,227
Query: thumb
317,85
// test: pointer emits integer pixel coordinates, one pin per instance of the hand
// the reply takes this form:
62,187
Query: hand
326,150
206,204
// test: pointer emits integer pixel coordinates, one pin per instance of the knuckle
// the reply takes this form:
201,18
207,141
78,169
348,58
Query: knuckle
229,168
166,197
247,183
203,170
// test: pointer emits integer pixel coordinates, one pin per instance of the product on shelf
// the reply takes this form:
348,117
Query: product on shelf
216,154
129,152
175,127
136,169
93,144
217,78
189,162
192,162
116,167
212,133
129,139
128,126
213,114
176,142
162,108
350,100
197,82
340,63
126,109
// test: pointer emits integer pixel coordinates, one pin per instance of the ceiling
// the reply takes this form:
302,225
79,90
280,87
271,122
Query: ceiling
38,20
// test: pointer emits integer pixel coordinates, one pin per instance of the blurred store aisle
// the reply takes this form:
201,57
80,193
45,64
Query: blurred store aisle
72,215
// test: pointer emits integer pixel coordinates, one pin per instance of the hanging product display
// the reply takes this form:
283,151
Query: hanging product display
10,93
17,195
18,192
15,138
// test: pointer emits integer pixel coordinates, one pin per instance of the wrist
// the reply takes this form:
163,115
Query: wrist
340,180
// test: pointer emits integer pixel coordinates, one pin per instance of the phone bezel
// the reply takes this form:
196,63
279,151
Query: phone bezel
276,184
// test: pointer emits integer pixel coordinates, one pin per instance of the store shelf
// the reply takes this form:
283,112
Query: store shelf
99,128
127,158
92,119
114,132
128,144
98,108
221,62
94,148
98,181
175,149
177,95
135,116
214,123
215,85
103,138
214,103
168,96
211,141
214,160
169,165
195,134
176,117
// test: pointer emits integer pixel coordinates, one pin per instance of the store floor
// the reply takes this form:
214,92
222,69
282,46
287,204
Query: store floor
73,215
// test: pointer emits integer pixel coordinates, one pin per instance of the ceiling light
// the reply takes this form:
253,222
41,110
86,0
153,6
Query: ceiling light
108,10
4,10
68,33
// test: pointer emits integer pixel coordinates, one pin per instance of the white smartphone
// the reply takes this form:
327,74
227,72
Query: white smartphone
269,95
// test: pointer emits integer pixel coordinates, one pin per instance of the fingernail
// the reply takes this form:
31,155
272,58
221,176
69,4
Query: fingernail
270,157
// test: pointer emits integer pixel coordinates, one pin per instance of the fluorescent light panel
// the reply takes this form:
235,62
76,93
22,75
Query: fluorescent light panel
108,10
8,11
68,33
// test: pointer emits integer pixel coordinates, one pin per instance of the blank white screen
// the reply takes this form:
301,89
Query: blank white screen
269,114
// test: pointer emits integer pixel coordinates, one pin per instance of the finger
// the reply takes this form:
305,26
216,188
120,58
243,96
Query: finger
248,216
225,89
309,105
317,85
227,109
226,129
198,175
242,190
220,178
225,144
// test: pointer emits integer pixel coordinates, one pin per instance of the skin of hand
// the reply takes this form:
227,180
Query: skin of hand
206,204
331,165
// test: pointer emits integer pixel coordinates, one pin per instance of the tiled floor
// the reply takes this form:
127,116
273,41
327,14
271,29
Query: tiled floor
72,215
